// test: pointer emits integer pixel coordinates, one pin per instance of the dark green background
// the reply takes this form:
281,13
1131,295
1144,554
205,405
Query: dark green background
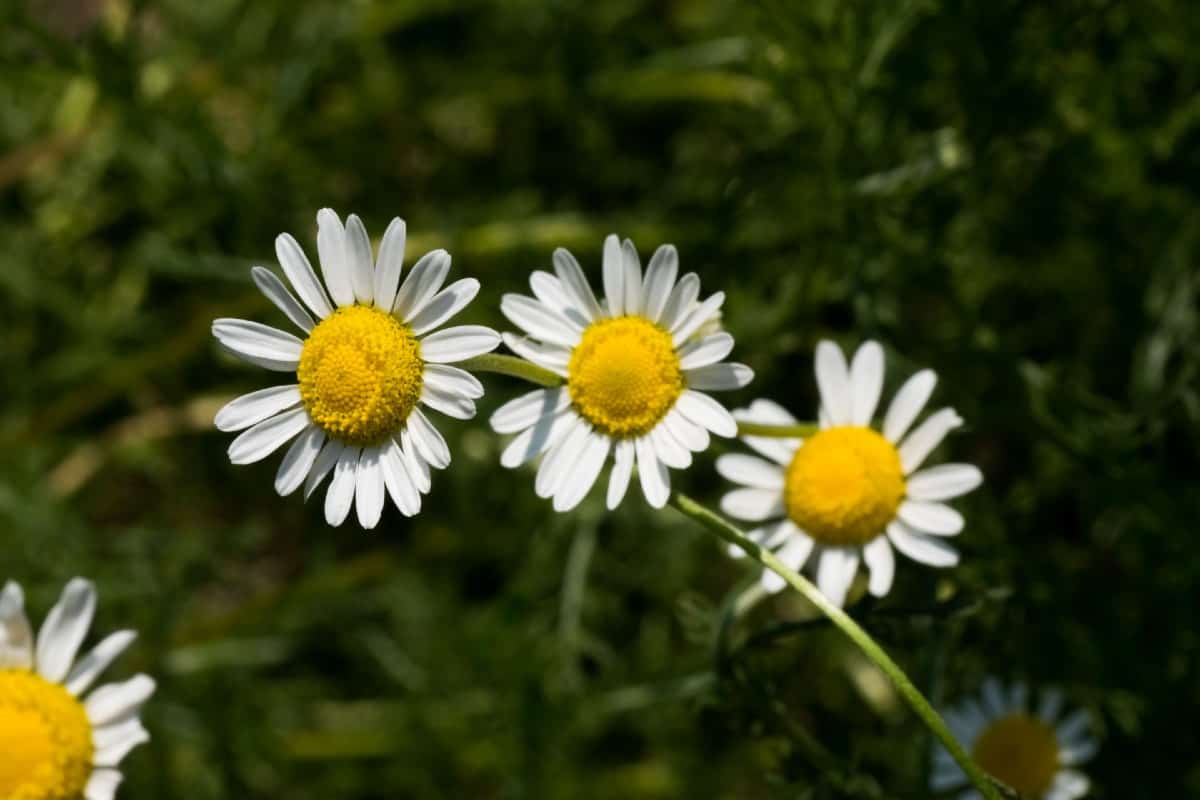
1003,191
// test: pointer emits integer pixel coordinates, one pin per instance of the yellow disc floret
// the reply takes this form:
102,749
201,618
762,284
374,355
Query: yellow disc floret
844,486
45,740
624,375
360,375
1020,750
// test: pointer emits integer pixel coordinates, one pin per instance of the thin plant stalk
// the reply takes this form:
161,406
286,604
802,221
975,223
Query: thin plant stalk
928,715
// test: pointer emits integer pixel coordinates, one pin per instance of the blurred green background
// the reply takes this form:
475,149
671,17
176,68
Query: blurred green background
1006,192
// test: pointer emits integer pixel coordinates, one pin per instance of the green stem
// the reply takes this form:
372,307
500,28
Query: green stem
798,431
511,365
716,525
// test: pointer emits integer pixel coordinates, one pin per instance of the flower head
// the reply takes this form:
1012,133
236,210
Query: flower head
368,363
1033,752
851,492
59,740
636,368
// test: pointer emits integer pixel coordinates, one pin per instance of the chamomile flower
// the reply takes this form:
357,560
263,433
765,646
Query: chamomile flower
636,370
849,492
59,739
367,363
1033,752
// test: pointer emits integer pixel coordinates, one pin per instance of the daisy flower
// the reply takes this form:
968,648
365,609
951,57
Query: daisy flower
367,363
636,369
1033,752
59,741
850,492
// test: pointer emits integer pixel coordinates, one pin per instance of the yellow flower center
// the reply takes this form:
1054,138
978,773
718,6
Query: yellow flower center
624,375
45,739
360,375
844,485
1020,750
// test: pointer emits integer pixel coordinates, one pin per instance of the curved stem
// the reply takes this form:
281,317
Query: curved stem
511,365
798,431
916,701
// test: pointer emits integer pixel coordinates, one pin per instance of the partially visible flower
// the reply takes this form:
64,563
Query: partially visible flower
367,363
637,371
848,492
58,740
1033,752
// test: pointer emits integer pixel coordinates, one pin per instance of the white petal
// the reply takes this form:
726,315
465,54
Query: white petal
548,356
765,412
277,293
273,364
943,482
633,278
703,410
692,436
614,276
267,436
397,480
1079,751
833,381
428,440
331,248
706,351
798,548
450,404
300,274
539,321
750,471
418,469
660,280
1050,705
390,264
422,283
693,320
680,301
583,475
774,534
255,340
63,631
995,704
95,662
1068,785
340,496
835,572
16,636
882,564
668,450
549,291
907,404
555,468
458,344
771,582
719,377
923,549
369,490
453,380
521,412
102,785
622,471
327,459
537,439
444,305
116,701
298,461
753,505
250,409
656,482
575,284
934,518
114,742
928,435
1018,697
1073,726
948,778
359,261
866,382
